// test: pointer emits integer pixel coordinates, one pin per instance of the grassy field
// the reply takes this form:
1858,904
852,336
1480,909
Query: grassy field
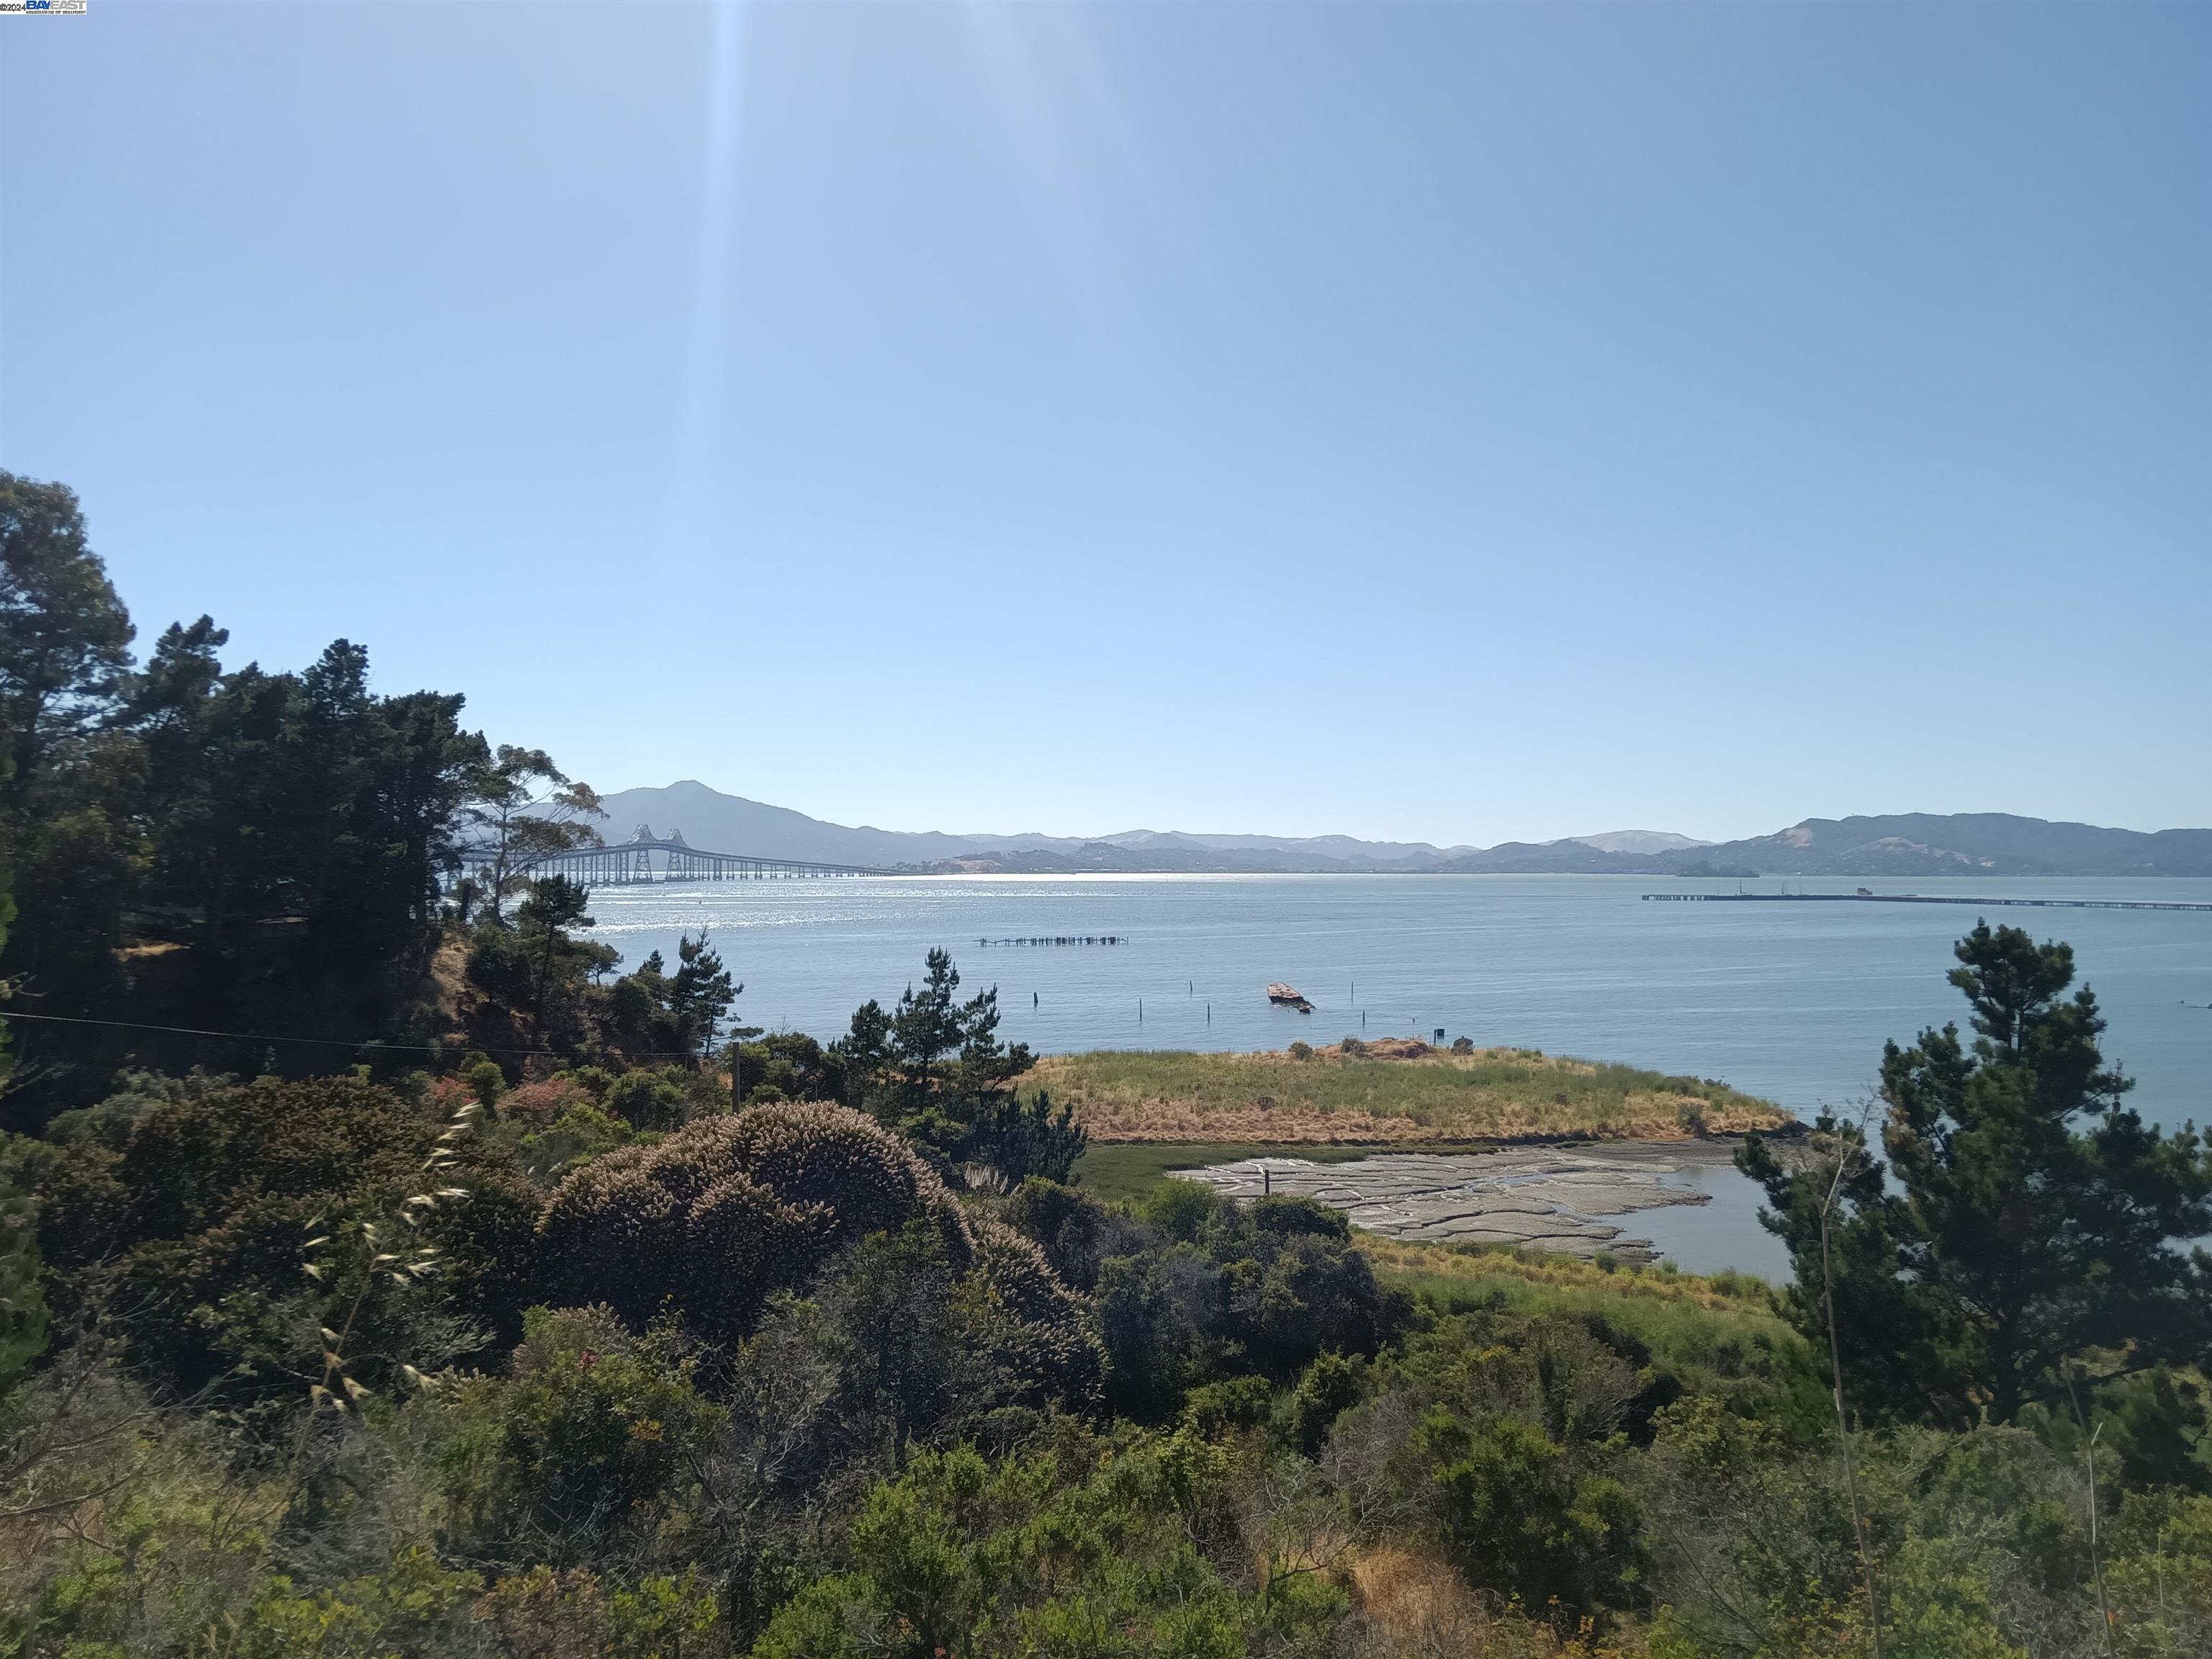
1727,1331
1331,1098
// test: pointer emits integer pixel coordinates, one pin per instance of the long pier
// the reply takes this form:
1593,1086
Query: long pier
1926,898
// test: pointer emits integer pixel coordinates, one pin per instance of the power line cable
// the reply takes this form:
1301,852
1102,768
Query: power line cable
329,1042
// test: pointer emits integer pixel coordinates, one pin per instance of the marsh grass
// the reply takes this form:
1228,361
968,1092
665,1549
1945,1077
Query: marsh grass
1333,1098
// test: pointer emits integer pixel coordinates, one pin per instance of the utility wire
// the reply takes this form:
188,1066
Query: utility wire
329,1042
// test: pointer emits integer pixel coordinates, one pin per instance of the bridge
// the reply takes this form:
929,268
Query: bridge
645,857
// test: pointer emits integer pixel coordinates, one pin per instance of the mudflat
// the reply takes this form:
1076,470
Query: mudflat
1556,1199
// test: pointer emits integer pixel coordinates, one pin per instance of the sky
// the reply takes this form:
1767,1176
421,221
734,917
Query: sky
1446,422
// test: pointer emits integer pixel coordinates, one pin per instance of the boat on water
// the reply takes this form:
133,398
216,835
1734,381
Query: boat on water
1288,997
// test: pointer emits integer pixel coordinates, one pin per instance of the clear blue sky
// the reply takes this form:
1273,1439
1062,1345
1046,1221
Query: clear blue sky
1451,422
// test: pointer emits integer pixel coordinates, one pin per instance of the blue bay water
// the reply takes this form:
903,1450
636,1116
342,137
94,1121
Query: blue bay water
1789,1001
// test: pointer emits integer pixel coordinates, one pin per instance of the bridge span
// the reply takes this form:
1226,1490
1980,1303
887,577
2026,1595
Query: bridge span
645,857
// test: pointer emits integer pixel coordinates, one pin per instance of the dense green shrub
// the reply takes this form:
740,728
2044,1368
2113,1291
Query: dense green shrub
549,1149
1111,1555
1526,1518
728,1210
190,1237
22,1297
1076,1231
586,1445
792,1064
645,1101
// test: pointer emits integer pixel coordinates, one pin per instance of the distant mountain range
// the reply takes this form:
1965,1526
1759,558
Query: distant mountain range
1905,844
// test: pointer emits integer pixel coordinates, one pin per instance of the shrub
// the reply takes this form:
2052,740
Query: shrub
1113,1555
1076,1231
645,1101
591,1438
549,1151
1525,1518
542,1101
484,1077
728,1210
136,1094
192,1235
1015,1139
1220,1409
1301,1051
1331,1386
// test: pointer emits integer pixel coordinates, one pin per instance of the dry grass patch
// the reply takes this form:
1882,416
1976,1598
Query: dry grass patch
1413,1604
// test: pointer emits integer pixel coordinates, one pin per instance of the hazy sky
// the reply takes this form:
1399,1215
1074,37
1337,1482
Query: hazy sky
1453,422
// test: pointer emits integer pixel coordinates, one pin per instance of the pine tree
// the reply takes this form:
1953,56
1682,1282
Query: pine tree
2028,1219
701,994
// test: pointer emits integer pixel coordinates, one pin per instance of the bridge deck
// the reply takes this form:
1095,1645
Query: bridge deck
647,857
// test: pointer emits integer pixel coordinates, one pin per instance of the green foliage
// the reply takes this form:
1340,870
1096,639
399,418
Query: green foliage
2034,1219
700,994
543,1614
646,1100
1214,1409
521,808
1076,1231
2159,1569
550,1146
1678,1333
1043,1556
22,1297
727,1210
1018,1139
279,835
108,1122
2158,1430
787,1065
483,1078
1192,1287
415,1604
537,968
189,1237
652,1014
1331,1386
589,1441
935,1069
1526,1516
